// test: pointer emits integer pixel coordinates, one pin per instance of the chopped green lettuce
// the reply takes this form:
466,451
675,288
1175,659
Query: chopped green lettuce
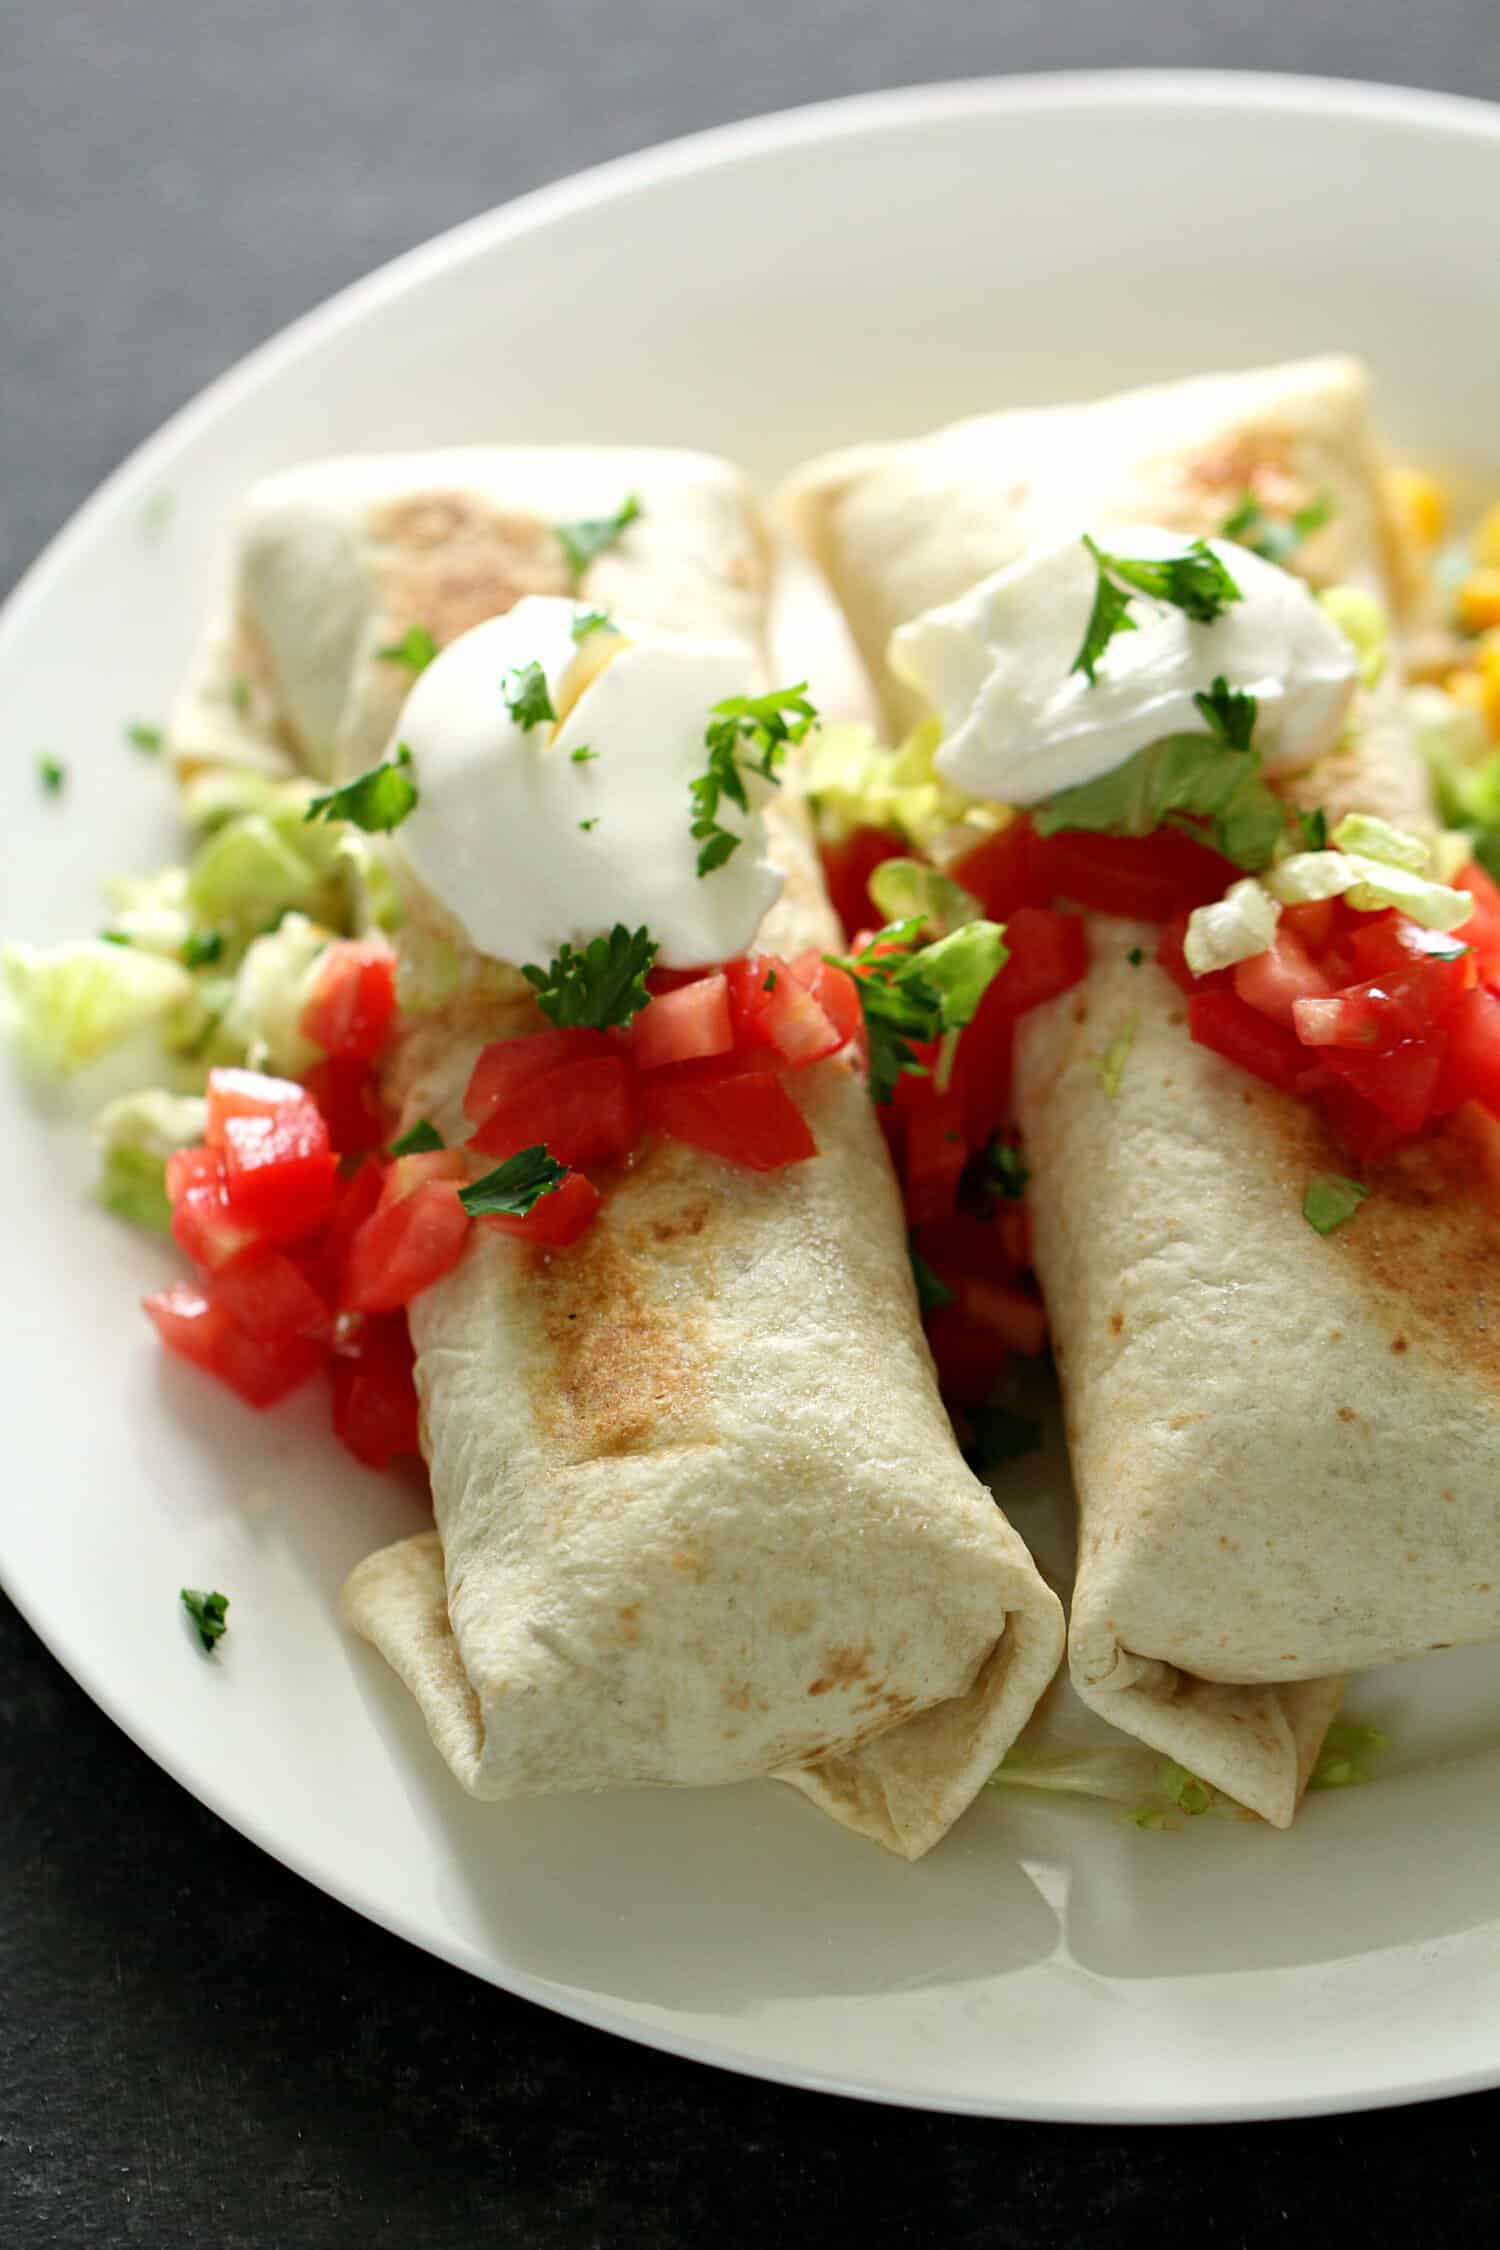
1347,1752
1377,839
1235,928
1109,1068
1182,774
72,1003
1465,768
854,781
271,990
1368,885
135,1136
1361,618
961,967
152,911
1152,1791
910,890
1330,1199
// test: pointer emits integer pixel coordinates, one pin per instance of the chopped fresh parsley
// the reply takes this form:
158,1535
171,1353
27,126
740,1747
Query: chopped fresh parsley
1312,828
587,538
51,774
1109,1068
1230,714
586,621
588,826
996,1434
516,1185
415,649
1330,1200
113,937
770,983
932,1292
418,1140
238,692
144,738
1274,538
601,985
202,947
1006,1172
912,997
1136,956
1195,582
525,695
375,801
582,755
745,732
207,1613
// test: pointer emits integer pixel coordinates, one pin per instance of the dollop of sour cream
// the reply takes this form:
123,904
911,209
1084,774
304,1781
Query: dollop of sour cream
1019,724
537,836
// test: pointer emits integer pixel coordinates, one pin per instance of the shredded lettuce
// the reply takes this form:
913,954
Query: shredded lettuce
271,990
1361,618
1153,1792
1109,1068
961,967
910,890
1235,928
854,781
152,911
135,1136
1347,1753
1182,774
1465,767
72,1003
1368,885
1377,839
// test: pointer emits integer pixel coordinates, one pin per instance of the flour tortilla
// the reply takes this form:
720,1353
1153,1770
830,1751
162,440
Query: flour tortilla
700,1513
1285,1445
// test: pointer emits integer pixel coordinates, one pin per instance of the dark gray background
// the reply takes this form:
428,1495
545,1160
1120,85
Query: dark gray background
196,2048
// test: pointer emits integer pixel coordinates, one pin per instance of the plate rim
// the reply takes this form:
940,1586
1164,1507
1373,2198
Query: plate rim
617,179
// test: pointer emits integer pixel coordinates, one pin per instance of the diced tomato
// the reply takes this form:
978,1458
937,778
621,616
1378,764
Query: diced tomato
353,1000
683,1025
554,1220
280,1173
1482,932
1400,1082
1013,1224
405,1174
349,1097
774,1005
194,1324
969,1359
405,1246
374,1391
835,991
964,1244
1006,871
202,1223
986,1054
245,1093
1387,1012
1011,1316
1048,953
1278,979
936,1154
507,1065
1223,1021
585,1113
1311,924
848,866
358,1196
1471,1071
749,1117
1365,1131
1144,878
266,1295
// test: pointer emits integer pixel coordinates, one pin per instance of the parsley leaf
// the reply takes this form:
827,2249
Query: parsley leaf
588,826
50,774
911,998
207,1613
586,621
528,700
1136,956
1313,829
238,692
1330,1200
1195,582
603,984
144,738
415,649
417,1140
1230,714
1005,1169
582,755
516,1185
587,538
1274,538
996,1434
745,733
375,801
932,1292
202,947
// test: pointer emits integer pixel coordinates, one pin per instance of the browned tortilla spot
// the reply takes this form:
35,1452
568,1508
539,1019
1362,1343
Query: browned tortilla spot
842,1667
448,560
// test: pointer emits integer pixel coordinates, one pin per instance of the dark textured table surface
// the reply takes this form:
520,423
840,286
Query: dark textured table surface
195,2047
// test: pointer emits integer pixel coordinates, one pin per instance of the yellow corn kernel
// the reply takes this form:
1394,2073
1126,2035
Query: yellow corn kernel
1421,503
1478,602
1486,540
1466,686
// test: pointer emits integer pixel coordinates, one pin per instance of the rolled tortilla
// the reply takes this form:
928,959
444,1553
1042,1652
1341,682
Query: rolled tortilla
700,1514
1284,1445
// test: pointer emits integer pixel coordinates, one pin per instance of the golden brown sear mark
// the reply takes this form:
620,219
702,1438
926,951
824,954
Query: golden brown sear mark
841,1668
448,560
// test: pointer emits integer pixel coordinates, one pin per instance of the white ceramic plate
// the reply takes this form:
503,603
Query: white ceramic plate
866,268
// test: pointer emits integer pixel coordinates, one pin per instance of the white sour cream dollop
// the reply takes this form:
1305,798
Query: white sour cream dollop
1019,724
531,847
